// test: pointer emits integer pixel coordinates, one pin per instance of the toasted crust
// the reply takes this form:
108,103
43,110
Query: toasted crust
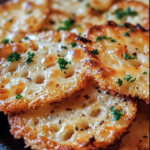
42,80
141,18
138,135
111,66
144,1
82,121
23,15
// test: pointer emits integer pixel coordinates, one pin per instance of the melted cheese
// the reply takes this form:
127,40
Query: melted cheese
22,15
112,64
73,122
141,18
42,80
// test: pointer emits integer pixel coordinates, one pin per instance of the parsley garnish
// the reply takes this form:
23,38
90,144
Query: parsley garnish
26,38
63,63
64,47
120,13
88,5
18,96
116,113
66,25
120,82
127,56
95,51
30,56
113,40
73,44
5,41
13,57
45,29
29,12
99,38
10,20
126,34
128,78
144,72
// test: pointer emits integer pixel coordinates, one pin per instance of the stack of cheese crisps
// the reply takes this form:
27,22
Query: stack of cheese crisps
74,73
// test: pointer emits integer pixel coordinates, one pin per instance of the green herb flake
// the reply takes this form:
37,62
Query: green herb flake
127,56
113,40
66,25
99,38
18,96
126,34
64,47
45,29
88,5
95,51
73,44
10,20
128,78
51,22
116,113
63,63
26,38
120,82
13,57
29,12
144,72
5,41
120,13
30,56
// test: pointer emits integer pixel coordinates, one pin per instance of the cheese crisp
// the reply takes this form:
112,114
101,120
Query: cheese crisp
88,120
41,71
130,11
23,15
123,54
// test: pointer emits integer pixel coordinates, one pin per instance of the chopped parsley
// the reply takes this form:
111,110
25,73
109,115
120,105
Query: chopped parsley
73,44
116,113
26,38
30,56
63,63
128,78
5,41
126,34
13,57
99,38
127,56
10,20
113,40
64,47
66,25
120,13
120,82
18,96
45,29
88,5
95,51
29,12
144,72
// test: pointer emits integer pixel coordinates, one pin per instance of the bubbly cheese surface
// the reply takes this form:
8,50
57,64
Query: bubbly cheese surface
122,53
141,17
42,80
23,16
82,121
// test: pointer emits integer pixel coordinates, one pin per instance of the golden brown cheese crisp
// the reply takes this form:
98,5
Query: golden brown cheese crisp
84,121
138,135
129,11
122,64
144,1
50,68
23,15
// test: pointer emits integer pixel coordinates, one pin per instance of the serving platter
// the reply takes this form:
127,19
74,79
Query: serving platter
7,142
